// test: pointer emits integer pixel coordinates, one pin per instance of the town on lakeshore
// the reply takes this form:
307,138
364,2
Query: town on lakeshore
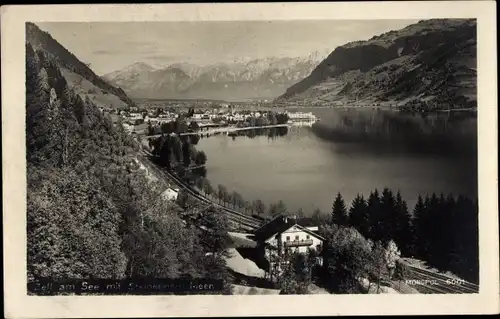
137,121
297,163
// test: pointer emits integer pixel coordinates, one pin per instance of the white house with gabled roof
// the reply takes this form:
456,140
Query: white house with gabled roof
296,239
282,236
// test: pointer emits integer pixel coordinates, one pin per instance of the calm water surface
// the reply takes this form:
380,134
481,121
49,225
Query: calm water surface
349,153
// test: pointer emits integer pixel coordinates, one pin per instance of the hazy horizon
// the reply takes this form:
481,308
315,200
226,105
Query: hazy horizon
111,46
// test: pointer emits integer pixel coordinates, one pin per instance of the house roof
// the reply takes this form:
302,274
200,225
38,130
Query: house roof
278,225
310,232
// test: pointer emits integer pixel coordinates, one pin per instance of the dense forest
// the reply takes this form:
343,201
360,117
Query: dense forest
90,213
442,230
179,154
365,240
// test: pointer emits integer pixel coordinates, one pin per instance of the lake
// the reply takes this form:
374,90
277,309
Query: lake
349,151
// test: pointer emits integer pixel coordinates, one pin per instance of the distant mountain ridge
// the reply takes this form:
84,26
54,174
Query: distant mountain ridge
264,78
433,60
77,73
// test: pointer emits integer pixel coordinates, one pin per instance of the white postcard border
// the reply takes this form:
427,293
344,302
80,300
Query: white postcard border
18,304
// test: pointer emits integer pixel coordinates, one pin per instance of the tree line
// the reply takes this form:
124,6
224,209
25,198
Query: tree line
89,215
177,126
179,154
442,230
234,200
365,240
268,118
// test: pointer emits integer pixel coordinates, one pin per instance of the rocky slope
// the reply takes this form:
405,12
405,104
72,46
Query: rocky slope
78,74
141,79
430,64
259,78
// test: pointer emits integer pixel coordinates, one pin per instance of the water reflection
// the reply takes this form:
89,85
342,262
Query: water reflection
269,132
387,131
351,152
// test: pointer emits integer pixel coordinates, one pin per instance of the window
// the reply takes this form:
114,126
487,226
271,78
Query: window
307,237
297,237
287,238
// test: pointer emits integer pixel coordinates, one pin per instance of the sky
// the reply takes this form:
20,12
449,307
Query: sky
110,46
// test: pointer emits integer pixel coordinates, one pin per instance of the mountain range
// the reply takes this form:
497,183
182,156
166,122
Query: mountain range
432,62
264,78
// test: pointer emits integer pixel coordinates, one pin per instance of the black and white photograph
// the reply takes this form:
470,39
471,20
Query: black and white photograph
252,157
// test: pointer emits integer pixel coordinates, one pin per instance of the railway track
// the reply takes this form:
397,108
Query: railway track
430,282
236,218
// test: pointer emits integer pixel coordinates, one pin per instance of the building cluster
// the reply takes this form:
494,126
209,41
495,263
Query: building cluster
300,115
136,120
224,115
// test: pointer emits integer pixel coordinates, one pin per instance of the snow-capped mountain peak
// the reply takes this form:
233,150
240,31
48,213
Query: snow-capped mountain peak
267,76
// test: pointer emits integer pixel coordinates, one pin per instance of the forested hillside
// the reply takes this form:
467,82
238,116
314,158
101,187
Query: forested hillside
427,65
90,214
45,44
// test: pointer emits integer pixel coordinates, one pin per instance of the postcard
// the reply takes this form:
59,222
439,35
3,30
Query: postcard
243,159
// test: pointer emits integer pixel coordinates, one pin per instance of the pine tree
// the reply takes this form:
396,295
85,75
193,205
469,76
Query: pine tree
358,215
339,211
39,131
433,229
402,235
466,225
386,218
186,154
418,227
373,207
452,232
441,225
32,70
165,152
423,231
